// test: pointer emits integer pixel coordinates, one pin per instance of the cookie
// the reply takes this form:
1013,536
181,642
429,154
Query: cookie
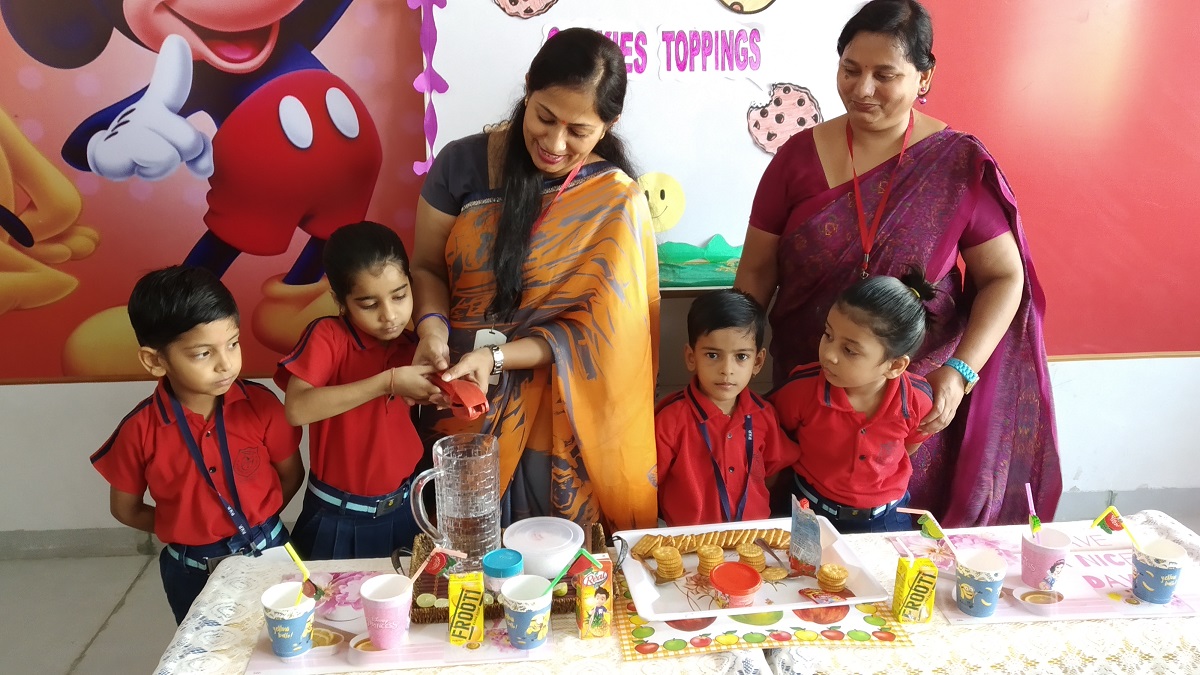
752,555
792,109
524,9
832,578
710,556
669,563
774,574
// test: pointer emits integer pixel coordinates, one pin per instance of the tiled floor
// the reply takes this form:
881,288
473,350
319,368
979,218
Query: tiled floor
108,616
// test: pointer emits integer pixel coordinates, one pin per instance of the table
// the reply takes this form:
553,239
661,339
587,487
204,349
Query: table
219,633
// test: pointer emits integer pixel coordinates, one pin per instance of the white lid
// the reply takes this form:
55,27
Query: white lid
543,534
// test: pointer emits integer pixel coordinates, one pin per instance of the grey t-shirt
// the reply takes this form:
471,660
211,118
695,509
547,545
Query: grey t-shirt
460,169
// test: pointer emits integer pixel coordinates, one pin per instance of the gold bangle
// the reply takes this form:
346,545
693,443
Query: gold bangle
391,382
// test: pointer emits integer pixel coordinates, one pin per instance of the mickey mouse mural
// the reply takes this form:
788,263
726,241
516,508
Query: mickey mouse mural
295,146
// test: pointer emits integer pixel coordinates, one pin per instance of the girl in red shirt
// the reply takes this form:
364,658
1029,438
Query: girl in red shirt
855,414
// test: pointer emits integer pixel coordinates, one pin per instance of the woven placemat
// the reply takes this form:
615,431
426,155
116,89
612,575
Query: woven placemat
439,586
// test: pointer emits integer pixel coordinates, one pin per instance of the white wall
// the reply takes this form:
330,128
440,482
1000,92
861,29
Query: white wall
1123,425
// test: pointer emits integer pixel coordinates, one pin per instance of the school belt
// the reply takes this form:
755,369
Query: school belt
841,511
221,548
372,506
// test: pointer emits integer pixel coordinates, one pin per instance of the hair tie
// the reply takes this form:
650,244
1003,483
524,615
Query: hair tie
915,292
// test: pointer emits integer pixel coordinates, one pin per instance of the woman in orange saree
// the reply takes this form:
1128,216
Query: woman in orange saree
573,406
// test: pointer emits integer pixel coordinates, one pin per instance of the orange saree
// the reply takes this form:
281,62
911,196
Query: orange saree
577,436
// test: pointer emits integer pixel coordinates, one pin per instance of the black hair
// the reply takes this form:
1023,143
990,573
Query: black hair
575,58
726,308
354,248
893,308
906,21
169,302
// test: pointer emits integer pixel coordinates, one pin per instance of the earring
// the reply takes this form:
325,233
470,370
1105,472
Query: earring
921,96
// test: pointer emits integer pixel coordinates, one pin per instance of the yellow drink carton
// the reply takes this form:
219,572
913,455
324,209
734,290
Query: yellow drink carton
594,599
466,609
912,598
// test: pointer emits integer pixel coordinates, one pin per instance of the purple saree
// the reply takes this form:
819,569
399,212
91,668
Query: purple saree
973,472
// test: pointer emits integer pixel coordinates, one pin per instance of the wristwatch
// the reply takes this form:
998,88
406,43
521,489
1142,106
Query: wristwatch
497,360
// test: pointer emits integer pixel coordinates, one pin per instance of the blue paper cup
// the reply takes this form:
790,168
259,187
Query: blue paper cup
978,580
289,625
1156,571
526,599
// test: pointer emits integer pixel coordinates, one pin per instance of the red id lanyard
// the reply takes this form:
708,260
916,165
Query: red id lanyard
868,236
542,216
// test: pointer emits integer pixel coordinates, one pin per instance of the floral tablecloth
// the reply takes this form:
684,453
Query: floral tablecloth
219,633
1160,645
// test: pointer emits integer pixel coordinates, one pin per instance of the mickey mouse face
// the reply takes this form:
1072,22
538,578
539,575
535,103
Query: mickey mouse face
235,36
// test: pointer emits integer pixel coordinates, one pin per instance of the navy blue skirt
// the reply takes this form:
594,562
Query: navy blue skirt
326,532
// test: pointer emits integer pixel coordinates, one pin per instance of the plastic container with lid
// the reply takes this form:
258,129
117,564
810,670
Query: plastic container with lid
546,543
500,566
737,581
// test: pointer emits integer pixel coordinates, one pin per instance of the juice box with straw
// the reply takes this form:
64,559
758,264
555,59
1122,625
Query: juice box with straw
594,599
466,609
912,597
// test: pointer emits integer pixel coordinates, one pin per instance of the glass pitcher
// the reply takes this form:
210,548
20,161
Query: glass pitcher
466,468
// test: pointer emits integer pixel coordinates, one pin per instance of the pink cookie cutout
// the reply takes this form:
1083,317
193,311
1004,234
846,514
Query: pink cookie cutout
792,109
524,9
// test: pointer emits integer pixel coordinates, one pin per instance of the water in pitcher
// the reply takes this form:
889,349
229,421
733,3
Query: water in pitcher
467,477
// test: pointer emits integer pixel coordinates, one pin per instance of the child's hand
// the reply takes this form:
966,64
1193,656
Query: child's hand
410,383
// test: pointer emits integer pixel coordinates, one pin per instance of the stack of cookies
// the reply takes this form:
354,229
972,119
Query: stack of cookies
774,574
669,564
832,578
752,555
710,556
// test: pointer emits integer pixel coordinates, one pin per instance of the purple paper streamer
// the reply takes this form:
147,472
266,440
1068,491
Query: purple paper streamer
428,82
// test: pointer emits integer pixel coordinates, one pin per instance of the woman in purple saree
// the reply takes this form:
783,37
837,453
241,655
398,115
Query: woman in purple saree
947,198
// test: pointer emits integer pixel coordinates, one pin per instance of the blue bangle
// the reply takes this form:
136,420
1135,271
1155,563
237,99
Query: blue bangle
970,376
433,314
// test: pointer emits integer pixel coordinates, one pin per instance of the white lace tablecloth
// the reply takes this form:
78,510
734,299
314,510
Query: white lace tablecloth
1159,645
219,633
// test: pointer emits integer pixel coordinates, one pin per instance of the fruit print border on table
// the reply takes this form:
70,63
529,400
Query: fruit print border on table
868,625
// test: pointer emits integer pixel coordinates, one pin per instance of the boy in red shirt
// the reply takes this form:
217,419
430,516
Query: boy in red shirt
717,440
856,413
215,452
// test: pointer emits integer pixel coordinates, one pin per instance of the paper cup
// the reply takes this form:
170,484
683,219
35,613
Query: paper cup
1156,571
289,625
978,581
526,601
387,600
1043,564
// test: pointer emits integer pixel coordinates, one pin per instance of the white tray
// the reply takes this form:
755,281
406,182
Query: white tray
692,597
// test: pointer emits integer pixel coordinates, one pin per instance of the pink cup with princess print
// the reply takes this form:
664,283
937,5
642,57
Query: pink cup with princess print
387,600
1044,562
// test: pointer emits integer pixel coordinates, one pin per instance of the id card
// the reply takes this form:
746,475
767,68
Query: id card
486,338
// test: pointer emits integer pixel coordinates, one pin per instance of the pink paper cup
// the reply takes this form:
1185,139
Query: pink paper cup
1044,564
387,600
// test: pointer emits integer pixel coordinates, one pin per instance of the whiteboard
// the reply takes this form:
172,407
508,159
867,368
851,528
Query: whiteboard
700,75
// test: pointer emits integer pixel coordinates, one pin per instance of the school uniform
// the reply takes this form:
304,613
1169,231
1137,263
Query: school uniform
853,470
151,450
712,466
357,504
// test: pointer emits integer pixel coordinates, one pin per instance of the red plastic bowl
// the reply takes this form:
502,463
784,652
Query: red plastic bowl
736,580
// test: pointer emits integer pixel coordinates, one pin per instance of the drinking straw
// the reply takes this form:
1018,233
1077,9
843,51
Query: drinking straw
937,533
582,553
1119,524
303,570
1035,523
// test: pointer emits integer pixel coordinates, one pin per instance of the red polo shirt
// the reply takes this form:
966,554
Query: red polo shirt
372,449
148,451
687,487
848,458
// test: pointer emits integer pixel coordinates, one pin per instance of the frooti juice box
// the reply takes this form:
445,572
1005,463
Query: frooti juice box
912,598
594,599
466,609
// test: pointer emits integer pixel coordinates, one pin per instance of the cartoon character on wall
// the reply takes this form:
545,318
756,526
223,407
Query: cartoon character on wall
790,110
746,6
295,146
525,9
39,225
667,201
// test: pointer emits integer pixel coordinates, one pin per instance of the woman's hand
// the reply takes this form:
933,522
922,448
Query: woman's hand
475,366
432,351
411,383
948,391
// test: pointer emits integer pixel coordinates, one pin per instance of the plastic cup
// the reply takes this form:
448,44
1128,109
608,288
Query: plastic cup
499,566
1042,564
387,599
289,625
737,581
978,581
526,599
1156,571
